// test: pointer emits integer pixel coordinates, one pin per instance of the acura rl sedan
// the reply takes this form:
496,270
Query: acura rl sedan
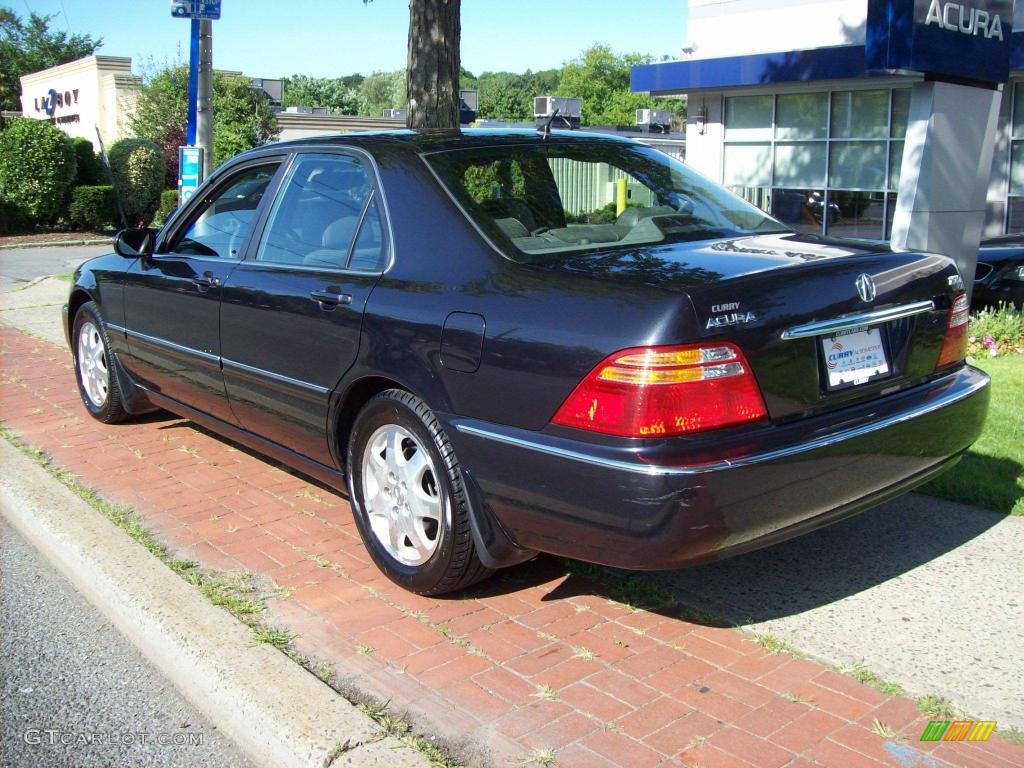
505,343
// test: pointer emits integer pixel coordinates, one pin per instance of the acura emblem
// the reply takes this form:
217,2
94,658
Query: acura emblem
866,288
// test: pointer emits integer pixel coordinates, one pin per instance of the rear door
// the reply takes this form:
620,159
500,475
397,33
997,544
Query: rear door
172,299
292,312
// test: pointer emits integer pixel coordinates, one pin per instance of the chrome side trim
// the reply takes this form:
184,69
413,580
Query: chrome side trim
275,376
848,322
112,327
208,357
943,401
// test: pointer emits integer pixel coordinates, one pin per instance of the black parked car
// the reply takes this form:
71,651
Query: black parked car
449,327
999,277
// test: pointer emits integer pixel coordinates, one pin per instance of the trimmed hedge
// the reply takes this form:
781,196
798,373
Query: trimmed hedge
168,205
139,169
93,207
90,170
37,168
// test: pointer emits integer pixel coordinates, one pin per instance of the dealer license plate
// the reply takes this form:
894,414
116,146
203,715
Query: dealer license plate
854,357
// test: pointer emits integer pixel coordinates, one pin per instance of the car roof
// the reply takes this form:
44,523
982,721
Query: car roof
426,141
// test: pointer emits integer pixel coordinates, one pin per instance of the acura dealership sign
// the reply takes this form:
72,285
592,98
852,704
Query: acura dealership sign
961,41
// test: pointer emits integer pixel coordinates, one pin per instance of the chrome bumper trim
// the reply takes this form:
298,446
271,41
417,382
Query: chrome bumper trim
943,401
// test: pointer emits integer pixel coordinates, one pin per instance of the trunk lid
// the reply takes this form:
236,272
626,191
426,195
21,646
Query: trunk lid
792,304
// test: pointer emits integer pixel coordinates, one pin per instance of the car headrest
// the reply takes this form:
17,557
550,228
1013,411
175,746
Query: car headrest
338,234
631,216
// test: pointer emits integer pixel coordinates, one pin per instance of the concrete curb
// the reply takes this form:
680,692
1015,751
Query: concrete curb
57,243
274,710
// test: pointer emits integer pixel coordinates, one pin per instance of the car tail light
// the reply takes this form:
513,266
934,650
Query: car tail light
954,343
665,391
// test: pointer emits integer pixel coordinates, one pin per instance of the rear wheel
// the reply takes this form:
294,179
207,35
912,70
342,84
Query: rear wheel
408,496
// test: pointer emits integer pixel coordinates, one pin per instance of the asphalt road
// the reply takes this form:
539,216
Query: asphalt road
23,265
68,678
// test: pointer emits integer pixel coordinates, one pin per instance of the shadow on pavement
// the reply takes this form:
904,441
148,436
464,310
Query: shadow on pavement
795,576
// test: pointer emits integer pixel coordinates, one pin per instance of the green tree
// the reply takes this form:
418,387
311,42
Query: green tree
29,46
329,92
505,96
37,168
600,79
382,90
242,117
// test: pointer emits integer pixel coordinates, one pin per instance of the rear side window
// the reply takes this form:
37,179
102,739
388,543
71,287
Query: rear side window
325,216
553,198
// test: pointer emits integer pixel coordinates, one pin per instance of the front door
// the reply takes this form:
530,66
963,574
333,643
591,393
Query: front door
292,312
172,299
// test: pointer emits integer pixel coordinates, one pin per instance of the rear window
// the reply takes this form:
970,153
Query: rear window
555,198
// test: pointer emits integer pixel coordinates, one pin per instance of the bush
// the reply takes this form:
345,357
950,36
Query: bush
138,167
168,205
90,170
12,221
93,208
37,168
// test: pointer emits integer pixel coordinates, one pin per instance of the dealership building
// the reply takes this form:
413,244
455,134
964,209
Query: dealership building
788,107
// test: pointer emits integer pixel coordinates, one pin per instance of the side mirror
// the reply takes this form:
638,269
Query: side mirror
133,243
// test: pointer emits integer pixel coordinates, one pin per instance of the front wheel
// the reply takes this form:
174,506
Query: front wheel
408,496
98,382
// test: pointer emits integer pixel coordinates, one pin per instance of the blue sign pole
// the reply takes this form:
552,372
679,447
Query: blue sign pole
193,83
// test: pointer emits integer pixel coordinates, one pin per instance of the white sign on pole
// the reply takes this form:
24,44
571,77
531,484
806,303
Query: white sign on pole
195,9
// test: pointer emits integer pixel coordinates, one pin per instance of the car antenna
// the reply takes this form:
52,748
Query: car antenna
545,130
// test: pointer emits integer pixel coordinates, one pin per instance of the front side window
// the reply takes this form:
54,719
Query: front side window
559,197
223,223
326,216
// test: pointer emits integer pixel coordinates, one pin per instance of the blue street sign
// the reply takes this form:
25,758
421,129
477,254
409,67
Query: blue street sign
195,9
190,171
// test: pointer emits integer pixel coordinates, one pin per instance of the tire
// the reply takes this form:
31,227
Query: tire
95,372
408,496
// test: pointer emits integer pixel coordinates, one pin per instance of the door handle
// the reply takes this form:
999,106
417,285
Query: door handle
206,281
330,299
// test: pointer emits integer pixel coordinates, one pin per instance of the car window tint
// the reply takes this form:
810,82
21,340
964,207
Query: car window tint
314,219
546,201
369,255
221,226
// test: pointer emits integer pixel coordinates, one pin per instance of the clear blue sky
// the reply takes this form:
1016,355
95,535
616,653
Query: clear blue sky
268,38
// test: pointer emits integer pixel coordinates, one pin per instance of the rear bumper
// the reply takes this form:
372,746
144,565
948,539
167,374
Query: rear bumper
653,505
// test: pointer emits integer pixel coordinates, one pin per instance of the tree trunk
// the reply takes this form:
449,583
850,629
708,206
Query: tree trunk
432,76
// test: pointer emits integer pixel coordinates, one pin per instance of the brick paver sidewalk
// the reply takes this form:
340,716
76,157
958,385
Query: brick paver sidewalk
532,660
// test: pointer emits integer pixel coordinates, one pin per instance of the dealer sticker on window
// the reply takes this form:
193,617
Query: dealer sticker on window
854,357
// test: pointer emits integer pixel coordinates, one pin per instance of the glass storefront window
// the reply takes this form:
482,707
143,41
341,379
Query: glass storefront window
1017,168
900,113
747,165
825,162
800,209
799,165
860,114
1015,215
801,116
856,214
748,118
895,164
857,165
1018,110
